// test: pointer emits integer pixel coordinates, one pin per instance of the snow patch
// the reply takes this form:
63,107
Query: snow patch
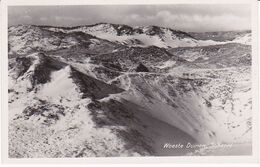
167,64
61,86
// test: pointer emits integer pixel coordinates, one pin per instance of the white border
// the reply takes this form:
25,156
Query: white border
185,159
125,2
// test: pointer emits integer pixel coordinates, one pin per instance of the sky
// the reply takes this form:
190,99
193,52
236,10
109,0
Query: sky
190,18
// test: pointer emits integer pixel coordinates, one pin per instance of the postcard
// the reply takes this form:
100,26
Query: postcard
132,81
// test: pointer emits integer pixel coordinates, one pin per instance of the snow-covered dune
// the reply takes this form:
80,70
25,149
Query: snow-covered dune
187,104
62,117
148,36
116,90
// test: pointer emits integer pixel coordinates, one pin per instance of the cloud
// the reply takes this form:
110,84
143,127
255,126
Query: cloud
26,17
182,17
43,19
198,22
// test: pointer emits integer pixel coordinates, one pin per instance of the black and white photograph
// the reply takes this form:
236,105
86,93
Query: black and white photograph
130,80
